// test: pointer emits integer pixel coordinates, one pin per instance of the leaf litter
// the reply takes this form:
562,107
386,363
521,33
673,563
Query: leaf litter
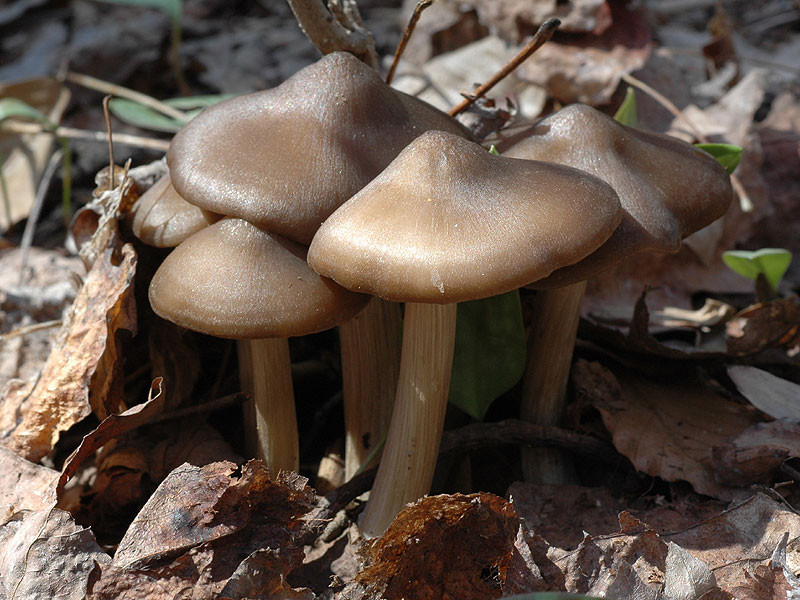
698,396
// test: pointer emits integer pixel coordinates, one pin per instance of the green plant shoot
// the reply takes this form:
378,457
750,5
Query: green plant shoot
626,113
727,155
489,355
771,263
15,108
493,150
133,113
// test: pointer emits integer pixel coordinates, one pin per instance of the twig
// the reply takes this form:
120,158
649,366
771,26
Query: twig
329,35
117,90
545,32
107,115
745,202
36,209
470,438
82,134
412,24
28,329
205,407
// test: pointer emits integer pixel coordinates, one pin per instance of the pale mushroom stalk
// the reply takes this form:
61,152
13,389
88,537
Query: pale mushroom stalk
370,349
412,445
270,420
554,327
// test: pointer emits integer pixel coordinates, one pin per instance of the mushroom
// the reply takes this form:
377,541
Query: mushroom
447,221
285,159
668,190
234,280
163,219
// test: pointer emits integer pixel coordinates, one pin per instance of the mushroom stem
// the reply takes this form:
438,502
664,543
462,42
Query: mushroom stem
412,444
370,344
270,419
556,313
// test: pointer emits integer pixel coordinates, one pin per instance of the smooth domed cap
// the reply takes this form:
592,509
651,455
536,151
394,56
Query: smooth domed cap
447,221
234,280
163,219
668,188
286,158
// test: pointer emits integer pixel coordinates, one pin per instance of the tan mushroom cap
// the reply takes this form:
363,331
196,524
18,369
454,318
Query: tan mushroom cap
286,158
234,280
163,219
668,188
448,222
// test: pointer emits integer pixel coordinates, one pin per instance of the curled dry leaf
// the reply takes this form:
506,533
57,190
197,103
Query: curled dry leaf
764,325
458,546
755,455
198,528
113,427
665,430
81,374
44,555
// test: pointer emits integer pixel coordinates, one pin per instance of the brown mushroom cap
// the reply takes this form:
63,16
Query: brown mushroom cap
234,280
163,219
668,188
286,158
447,221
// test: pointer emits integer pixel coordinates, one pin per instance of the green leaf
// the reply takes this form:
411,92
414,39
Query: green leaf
727,155
489,355
11,108
493,150
172,7
771,262
626,113
145,117
551,596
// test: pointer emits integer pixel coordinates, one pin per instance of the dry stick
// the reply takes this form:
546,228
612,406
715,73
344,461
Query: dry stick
745,202
471,438
412,24
329,35
82,134
107,115
28,329
123,92
545,32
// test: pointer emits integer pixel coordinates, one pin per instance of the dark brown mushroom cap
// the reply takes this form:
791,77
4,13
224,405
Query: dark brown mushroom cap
668,188
234,280
286,158
447,221
163,219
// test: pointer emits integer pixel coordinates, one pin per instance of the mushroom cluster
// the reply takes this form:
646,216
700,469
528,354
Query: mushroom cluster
383,195
273,165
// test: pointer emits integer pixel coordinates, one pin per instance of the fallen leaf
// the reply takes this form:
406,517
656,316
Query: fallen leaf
200,526
69,388
777,397
25,156
765,325
26,486
457,546
112,427
45,556
756,454
588,68
686,577
665,430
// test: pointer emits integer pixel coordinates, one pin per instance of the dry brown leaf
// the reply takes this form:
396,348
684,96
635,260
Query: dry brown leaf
772,395
588,68
113,427
26,486
25,156
665,430
458,546
45,556
198,528
755,455
764,325
72,377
